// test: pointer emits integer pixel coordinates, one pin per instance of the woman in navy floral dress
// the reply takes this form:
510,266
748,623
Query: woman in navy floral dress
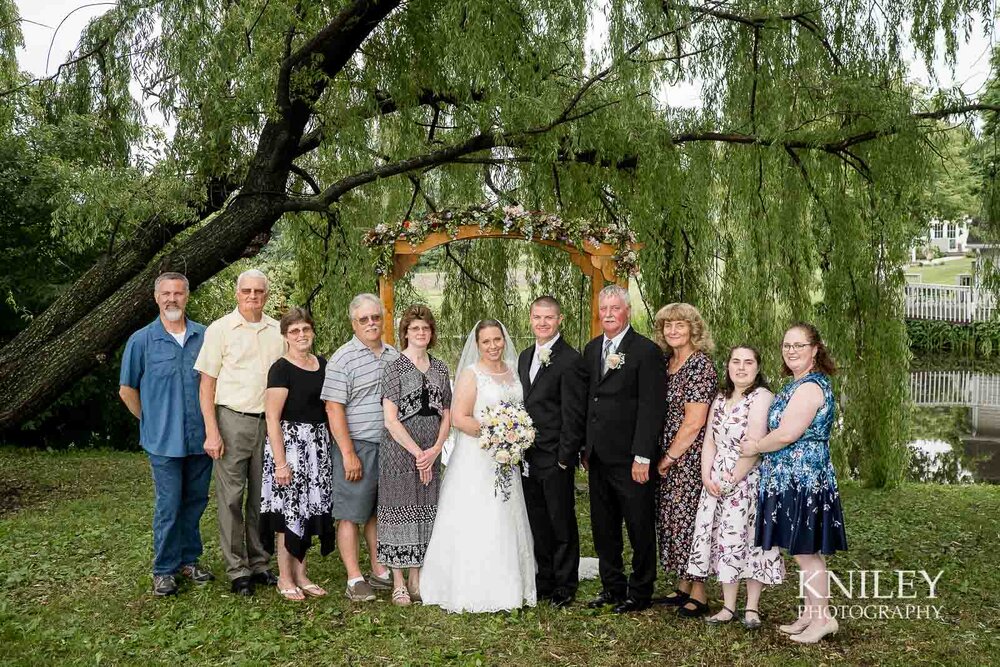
799,504
692,385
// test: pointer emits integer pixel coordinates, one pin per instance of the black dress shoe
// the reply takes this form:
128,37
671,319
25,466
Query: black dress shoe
603,599
264,578
560,600
242,586
692,609
630,605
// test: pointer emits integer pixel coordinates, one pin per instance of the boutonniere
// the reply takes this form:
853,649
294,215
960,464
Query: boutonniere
545,356
615,361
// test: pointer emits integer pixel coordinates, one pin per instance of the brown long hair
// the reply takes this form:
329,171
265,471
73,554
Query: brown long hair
824,363
760,380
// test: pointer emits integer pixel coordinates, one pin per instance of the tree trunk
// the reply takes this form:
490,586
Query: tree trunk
114,298
35,375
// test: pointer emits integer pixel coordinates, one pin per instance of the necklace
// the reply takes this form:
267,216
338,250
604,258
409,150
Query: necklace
489,372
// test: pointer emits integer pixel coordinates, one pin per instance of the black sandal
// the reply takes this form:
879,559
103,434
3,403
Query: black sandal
700,609
675,599
714,621
751,625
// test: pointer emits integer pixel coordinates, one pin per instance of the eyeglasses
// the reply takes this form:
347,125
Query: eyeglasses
798,347
365,319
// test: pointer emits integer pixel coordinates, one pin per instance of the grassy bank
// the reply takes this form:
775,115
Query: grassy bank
943,273
74,589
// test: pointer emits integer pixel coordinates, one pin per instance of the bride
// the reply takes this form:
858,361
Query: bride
480,557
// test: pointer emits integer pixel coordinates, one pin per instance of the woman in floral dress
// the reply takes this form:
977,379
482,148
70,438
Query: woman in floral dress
724,532
691,386
799,504
297,491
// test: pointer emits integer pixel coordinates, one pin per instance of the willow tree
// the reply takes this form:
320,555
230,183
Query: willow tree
784,195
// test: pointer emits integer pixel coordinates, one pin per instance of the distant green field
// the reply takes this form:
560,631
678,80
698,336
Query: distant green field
942,274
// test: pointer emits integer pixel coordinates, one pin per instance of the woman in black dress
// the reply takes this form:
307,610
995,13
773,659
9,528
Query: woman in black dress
296,495
416,404
692,385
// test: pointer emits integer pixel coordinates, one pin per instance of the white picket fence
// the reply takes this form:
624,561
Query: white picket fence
948,302
954,388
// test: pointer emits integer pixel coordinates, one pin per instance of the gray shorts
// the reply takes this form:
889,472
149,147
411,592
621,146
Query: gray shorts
355,501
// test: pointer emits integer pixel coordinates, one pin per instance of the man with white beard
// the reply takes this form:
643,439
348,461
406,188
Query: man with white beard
159,385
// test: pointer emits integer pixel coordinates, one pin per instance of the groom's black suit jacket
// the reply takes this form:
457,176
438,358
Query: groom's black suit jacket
556,403
626,407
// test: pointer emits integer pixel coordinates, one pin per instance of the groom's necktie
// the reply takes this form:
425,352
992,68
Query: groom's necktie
536,364
604,357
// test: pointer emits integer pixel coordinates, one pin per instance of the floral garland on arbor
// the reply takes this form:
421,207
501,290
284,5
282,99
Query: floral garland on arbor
532,225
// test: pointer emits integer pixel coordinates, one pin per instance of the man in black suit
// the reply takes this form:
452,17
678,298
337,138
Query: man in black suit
555,387
626,402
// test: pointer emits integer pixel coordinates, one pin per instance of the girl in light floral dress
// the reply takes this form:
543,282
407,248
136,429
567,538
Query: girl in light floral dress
723,543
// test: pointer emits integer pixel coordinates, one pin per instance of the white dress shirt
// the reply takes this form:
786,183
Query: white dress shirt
536,362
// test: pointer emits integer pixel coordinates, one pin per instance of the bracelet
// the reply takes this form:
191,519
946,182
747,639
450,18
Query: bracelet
277,468
672,458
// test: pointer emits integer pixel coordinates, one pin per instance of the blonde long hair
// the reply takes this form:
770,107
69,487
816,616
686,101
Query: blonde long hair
701,337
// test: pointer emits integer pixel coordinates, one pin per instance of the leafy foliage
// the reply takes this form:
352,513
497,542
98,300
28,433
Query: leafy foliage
788,193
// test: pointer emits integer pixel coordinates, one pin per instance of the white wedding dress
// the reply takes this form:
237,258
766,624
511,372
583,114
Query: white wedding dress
480,557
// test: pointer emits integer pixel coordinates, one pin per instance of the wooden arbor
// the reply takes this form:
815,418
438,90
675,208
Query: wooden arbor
596,261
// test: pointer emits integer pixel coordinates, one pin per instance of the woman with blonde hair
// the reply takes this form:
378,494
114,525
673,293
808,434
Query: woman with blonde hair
692,385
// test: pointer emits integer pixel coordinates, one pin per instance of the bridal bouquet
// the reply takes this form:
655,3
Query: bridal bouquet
506,430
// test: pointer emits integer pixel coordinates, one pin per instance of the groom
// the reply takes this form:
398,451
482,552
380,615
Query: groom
625,410
554,383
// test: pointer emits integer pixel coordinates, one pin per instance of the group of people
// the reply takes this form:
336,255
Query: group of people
711,481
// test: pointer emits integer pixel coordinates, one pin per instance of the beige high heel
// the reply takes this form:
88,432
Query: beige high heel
813,635
795,628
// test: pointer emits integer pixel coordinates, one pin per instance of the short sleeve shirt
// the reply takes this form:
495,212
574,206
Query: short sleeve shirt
303,403
694,382
239,354
354,379
163,371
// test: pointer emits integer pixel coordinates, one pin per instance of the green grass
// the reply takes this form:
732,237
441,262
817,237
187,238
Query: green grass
943,274
74,590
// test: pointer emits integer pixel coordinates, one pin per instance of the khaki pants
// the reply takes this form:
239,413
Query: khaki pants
240,469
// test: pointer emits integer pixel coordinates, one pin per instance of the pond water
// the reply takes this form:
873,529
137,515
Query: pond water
955,427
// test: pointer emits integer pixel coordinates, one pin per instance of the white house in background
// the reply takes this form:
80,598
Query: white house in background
950,237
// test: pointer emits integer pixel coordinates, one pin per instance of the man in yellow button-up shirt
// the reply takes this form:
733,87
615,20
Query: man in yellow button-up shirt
239,349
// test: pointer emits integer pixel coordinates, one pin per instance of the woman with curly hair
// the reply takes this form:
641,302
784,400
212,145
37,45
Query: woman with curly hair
692,385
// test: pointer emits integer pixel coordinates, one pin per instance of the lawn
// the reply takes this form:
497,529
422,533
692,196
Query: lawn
945,273
74,589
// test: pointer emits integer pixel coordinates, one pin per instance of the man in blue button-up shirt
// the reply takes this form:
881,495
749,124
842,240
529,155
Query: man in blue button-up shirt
160,387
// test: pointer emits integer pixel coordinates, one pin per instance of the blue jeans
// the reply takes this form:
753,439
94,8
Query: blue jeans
181,489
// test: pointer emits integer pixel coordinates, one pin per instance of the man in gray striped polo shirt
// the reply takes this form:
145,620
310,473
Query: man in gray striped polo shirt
353,394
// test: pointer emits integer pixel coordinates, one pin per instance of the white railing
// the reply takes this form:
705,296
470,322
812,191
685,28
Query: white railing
956,388
948,302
